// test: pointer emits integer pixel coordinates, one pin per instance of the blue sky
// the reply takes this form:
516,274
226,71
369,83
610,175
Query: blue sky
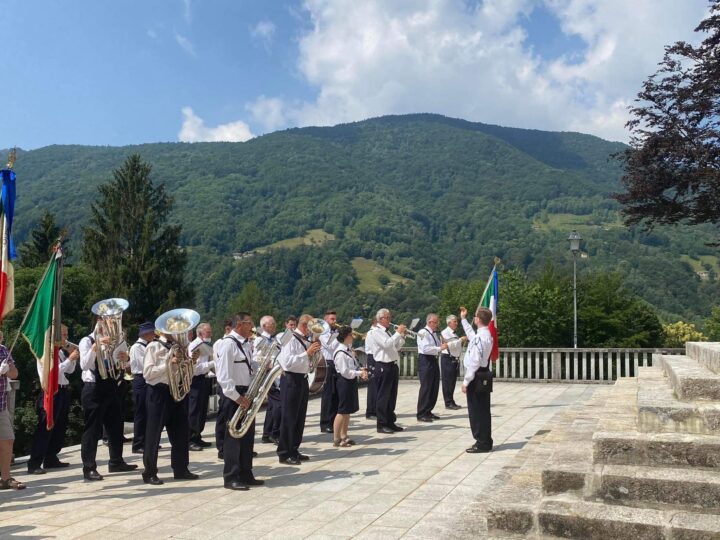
127,71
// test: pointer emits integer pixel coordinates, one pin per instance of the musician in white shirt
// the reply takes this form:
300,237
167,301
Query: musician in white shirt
101,406
220,420
348,372
234,371
386,346
198,398
429,348
295,361
450,361
371,407
477,389
271,425
164,412
146,333
329,399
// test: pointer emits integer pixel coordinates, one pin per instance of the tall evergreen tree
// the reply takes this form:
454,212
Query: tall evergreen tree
134,252
36,251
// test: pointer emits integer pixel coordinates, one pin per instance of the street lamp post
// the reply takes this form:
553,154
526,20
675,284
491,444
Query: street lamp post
574,240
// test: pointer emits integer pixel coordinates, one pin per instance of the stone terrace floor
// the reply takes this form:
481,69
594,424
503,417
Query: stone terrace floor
414,484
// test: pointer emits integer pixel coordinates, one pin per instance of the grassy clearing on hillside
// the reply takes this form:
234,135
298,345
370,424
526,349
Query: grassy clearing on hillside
571,221
370,274
314,237
697,264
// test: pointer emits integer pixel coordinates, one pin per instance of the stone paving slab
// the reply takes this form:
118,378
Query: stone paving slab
416,484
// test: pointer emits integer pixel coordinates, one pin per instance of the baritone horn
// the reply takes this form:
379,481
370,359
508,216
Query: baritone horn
109,324
178,323
268,371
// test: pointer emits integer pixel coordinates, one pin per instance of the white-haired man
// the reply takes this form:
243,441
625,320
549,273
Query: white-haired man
386,346
450,361
201,386
271,426
429,348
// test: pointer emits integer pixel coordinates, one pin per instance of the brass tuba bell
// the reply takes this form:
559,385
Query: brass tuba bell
178,323
109,313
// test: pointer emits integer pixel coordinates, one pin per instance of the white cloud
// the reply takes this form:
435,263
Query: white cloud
476,62
152,34
185,44
194,130
268,113
187,11
264,31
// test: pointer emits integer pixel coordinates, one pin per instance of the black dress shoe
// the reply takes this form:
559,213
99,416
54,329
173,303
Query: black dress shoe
384,429
122,467
266,439
474,449
185,475
153,480
194,447
204,444
253,482
397,428
434,417
140,451
453,407
57,465
274,440
255,454
424,419
290,461
371,416
303,457
236,486
36,470
220,455
126,440
92,475
326,430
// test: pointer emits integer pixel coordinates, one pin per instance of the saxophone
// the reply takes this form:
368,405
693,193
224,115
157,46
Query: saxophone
268,371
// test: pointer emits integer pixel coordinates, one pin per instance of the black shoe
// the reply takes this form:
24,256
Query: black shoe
255,454
105,442
274,440
266,439
384,429
302,457
220,455
204,444
236,486
92,475
254,482
194,447
475,449
326,430
153,480
397,428
424,419
453,407
371,416
36,470
122,467
290,461
57,465
140,451
434,416
126,440
186,475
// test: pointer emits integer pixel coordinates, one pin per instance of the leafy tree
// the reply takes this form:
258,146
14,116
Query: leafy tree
134,252
679,333
672,168
253,300
712,325
36,251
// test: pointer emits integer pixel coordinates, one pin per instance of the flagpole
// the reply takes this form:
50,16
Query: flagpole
487,285
32,301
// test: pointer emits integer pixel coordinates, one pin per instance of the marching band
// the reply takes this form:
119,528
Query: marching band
172,378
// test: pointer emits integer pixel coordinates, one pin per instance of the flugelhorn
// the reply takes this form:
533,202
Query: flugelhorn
109,313
178,323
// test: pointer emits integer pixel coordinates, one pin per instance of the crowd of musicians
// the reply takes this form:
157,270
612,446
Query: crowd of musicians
232,361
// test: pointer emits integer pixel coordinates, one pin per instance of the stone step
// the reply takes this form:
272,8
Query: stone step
660,411
656,449
690,380
571,518
686,489
706,354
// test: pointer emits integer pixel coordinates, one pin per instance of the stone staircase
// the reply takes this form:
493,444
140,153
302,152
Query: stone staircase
639,460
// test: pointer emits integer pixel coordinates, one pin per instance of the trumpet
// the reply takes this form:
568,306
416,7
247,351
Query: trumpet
69,345
408,333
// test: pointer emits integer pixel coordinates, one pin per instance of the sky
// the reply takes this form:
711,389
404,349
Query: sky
117,72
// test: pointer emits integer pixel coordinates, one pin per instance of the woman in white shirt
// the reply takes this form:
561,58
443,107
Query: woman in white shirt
347,387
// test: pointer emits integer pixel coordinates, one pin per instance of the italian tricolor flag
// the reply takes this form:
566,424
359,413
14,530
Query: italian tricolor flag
490,301
7,248
41,329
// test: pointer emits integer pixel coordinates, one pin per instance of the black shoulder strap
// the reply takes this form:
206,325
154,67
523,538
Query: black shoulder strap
300,340
242,349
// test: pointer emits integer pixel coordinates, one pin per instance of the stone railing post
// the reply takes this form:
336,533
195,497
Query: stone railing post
556,365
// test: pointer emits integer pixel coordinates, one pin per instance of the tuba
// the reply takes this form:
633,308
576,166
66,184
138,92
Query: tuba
178,323
318,327
268,371
109,312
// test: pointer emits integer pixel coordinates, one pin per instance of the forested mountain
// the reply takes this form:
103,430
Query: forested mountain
384,211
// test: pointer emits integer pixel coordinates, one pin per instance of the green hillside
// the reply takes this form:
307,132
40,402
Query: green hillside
424,198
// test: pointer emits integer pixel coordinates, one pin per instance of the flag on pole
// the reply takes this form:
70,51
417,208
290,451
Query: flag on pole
41,329
490,300
7,249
